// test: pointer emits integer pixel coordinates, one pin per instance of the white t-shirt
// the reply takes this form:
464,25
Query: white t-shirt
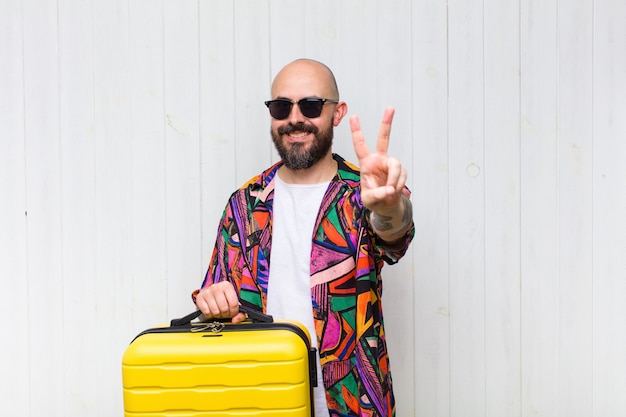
289,285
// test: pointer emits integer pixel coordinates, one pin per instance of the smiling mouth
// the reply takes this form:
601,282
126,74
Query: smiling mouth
297,131
297,135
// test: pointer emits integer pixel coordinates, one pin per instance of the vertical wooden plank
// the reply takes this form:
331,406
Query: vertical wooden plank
77,153
394,78
502,207
43,197
355,67
182,147
253,146
336,39
217,118
14,357
147,148
609,209
539,205
467,211
392,88
431,209
575,207
113,199
289,44
320,33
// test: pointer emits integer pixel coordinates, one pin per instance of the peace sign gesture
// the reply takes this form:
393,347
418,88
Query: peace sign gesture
383,180
382,177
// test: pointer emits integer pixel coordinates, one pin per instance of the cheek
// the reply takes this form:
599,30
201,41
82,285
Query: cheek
274,126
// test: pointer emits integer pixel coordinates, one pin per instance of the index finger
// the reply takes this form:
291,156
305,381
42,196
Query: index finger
385,131
360,146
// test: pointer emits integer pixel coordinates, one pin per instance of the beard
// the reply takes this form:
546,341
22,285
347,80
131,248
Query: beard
299,156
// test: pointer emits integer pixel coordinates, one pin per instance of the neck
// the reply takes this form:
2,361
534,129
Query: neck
322,171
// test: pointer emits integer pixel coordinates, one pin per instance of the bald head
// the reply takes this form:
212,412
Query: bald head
305,78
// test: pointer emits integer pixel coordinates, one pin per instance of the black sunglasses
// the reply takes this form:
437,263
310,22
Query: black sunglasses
311,107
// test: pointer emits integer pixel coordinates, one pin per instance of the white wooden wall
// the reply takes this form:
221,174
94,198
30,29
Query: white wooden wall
125,124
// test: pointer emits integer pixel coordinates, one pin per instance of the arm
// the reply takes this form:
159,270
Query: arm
218,298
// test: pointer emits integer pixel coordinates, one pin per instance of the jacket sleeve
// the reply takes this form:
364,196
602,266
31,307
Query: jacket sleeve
238,256
219,264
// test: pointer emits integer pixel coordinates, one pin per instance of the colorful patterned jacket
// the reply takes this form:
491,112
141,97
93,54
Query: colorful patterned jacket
346,286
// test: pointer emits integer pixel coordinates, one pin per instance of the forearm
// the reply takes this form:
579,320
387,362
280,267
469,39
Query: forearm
394,223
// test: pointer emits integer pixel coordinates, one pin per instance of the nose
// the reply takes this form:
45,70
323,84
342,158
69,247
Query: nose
295,116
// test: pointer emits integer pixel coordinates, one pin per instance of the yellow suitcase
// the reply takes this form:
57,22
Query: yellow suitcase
257,368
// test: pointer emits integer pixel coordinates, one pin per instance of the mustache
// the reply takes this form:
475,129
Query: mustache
298,127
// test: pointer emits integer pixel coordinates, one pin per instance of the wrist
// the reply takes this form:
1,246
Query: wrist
394,223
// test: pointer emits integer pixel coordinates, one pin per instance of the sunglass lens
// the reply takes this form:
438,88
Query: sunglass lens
311,108
280,109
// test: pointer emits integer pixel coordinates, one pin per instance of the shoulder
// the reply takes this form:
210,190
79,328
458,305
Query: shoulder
261,180
258,188
253,199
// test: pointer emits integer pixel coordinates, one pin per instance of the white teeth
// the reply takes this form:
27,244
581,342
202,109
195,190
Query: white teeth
298,135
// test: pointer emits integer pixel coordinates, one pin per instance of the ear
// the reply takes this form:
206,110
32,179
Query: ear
340,111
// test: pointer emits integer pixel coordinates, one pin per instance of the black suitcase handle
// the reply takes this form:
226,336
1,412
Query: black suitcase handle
244,307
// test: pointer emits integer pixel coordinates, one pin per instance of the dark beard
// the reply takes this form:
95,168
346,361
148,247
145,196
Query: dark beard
297,156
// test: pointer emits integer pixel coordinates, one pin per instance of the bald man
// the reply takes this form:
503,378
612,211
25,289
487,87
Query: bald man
307,238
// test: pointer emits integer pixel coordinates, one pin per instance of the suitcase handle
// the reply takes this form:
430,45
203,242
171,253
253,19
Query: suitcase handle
255,314
245,307
185,320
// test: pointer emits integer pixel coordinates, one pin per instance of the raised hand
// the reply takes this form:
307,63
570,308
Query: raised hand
382,177
383,180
